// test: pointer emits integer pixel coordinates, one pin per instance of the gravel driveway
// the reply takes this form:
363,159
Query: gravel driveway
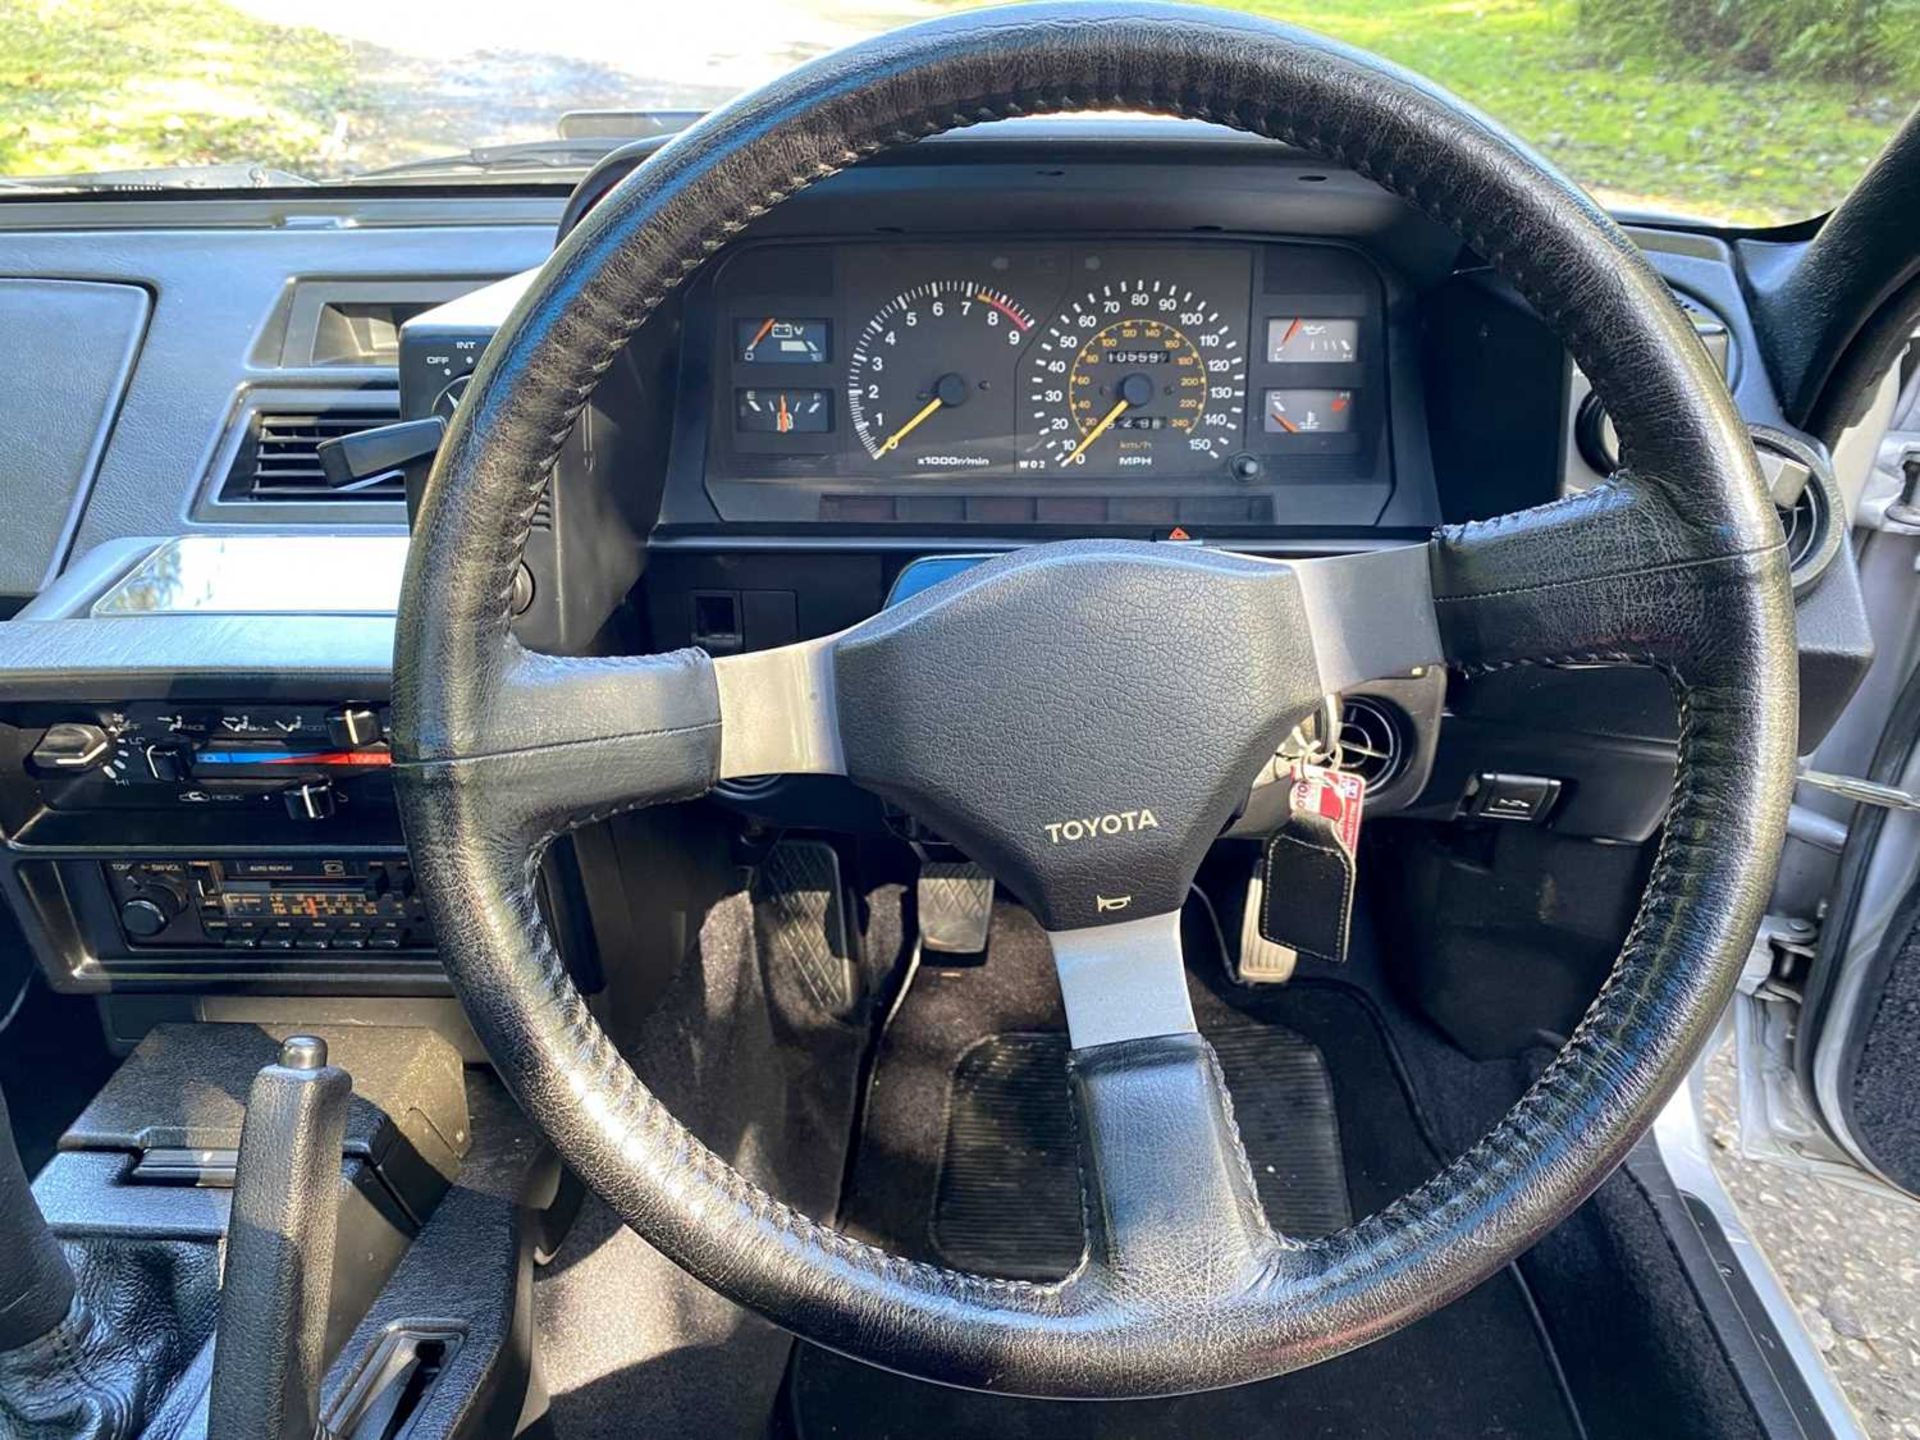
1850,1262
439,78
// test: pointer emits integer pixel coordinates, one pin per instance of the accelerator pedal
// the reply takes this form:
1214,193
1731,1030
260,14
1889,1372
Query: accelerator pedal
1260,962
956,906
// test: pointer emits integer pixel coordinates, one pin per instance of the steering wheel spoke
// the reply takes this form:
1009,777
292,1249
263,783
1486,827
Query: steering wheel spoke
562,740
1369,615
1170,1201
1172,1213
1616,574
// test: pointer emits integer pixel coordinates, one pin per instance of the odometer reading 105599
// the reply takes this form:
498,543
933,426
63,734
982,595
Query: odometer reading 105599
1135,375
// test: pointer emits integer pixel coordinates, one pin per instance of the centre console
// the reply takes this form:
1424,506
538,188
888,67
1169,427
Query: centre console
232,843
196,792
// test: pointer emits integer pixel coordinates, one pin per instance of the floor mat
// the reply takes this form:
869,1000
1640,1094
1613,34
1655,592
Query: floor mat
1008,1197
1480,1368
629,1343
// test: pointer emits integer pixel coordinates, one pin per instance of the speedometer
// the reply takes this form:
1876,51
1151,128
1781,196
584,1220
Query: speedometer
1137,375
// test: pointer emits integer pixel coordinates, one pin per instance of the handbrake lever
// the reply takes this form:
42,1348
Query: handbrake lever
269,1351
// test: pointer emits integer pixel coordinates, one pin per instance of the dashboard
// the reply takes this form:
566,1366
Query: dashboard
1036,380
1028,332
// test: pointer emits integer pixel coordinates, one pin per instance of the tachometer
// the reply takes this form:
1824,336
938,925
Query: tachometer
930,377
1138,374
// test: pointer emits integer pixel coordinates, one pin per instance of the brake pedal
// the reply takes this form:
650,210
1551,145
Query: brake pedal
956,907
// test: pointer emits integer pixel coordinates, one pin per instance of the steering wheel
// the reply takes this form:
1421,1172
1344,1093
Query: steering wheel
1086,680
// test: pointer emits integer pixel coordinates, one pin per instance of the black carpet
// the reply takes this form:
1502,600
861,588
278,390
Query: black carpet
965,1041
739,1050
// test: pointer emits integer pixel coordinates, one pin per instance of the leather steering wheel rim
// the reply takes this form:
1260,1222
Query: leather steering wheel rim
1677,563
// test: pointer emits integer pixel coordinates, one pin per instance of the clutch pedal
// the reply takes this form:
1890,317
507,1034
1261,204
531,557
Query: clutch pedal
800,915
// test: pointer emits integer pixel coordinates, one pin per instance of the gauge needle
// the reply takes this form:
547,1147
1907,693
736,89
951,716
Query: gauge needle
1286,424
911,425
760,335
1097,431
786,421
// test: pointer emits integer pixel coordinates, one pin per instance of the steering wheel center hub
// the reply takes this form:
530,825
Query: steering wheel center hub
1083,718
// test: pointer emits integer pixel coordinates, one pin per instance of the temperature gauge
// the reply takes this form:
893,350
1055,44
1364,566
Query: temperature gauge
783,412
1295,339
1300,412
769,341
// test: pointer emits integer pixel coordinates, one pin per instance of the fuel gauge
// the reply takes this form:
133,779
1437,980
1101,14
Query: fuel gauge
783,412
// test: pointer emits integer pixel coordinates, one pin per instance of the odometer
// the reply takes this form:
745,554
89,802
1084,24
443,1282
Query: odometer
1136,375
929,382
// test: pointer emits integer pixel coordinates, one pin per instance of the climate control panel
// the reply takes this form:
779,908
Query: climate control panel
305,760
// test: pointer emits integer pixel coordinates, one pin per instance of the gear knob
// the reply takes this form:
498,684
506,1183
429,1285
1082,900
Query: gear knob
36,1285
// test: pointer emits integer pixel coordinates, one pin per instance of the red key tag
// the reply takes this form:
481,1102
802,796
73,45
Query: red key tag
1307,899
1336,795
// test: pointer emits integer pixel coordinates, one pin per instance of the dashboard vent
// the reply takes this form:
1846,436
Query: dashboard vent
1805,523
278,460
1372,741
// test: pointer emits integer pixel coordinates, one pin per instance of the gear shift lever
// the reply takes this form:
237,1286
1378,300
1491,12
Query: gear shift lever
36,1287
268,1353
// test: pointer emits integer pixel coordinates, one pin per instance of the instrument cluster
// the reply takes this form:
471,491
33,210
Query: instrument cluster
985,380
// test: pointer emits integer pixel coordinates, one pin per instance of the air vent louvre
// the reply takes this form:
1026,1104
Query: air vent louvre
1372,741
1804,522
278,458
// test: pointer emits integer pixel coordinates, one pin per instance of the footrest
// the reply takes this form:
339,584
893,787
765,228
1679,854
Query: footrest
956,906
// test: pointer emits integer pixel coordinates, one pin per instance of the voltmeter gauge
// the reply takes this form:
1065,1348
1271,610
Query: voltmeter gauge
769,340
783,412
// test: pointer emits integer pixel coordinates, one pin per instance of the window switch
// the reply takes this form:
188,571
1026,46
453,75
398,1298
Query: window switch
1525,798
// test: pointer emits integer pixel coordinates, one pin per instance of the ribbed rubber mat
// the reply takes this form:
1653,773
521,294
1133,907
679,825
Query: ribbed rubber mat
1008,1199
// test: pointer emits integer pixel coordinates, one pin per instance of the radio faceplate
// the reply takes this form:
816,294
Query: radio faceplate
269,903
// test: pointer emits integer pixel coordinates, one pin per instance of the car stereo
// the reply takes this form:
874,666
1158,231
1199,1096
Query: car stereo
269,902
